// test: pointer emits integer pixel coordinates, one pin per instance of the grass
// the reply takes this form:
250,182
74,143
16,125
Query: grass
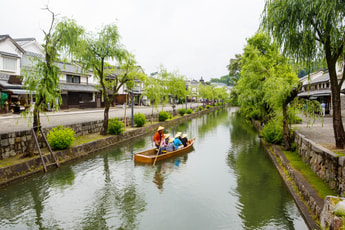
316,182
79,140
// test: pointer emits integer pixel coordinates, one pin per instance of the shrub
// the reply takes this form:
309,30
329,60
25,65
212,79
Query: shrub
200,108
139,119
208,106
60,138
115,126
189,111
163,116
182,111
273,132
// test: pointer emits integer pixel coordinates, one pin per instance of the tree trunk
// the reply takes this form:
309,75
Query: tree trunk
30,151
106,119
338,127
286,131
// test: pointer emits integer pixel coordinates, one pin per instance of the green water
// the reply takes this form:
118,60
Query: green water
226,182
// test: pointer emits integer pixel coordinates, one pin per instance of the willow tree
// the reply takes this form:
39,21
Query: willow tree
41,78
94,52
176,86
205,92
221,94
308,31
153,92
162,78
267,84
234,68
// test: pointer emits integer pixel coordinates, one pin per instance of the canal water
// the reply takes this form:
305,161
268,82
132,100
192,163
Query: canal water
226,182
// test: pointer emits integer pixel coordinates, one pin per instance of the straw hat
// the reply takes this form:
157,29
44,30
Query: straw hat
160,128
166,135
171,140
177,135
184,135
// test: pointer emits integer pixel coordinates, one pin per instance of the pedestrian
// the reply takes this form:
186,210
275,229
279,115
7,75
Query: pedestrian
323,108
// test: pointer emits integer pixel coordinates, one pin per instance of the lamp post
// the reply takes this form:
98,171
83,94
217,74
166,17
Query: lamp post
186,95
132,109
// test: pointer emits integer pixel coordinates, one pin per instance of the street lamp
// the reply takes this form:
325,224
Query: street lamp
132,105
132,110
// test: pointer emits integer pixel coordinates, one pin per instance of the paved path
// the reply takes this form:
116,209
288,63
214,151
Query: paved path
321,132
15,122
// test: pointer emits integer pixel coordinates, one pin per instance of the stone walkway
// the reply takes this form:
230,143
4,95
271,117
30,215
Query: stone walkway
320,132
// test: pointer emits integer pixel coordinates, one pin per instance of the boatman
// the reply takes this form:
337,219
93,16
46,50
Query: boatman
159,135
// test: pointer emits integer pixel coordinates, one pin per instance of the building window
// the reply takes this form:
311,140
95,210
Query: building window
9,63
73,79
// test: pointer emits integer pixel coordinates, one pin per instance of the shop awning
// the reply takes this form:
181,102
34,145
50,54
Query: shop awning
18,91
316,93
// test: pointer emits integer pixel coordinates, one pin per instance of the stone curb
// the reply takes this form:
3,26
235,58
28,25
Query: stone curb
33,166
295,180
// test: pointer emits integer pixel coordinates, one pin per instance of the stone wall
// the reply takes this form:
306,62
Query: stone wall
326,164
328,220
17,171
15,143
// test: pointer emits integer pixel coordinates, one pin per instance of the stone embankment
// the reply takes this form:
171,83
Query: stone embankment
305,197
326,164
17,171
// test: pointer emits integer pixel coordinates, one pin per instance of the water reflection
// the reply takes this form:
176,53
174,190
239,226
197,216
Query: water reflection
119,197
167,167
259,188
227,182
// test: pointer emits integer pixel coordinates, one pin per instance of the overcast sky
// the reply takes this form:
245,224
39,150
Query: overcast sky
194,37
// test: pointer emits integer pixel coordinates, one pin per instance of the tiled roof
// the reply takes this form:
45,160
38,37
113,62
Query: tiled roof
72,68
23,41
6,36
9,54
78,88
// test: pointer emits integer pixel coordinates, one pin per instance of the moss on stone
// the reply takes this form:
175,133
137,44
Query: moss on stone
316,182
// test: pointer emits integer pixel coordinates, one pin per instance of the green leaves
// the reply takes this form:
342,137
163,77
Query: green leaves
266,79
139,119
116,126
42,76
60,138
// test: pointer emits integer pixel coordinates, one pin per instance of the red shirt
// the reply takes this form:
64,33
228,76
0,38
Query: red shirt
157,138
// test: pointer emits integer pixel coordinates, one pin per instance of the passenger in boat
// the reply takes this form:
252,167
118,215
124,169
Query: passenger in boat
170,147
165,142
184,140
177,141
159,135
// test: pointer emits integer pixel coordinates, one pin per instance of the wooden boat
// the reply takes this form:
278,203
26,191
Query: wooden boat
148,156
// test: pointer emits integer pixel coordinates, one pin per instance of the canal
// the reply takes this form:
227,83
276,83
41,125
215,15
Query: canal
226,182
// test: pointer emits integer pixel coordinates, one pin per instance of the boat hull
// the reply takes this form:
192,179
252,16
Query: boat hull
149,156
